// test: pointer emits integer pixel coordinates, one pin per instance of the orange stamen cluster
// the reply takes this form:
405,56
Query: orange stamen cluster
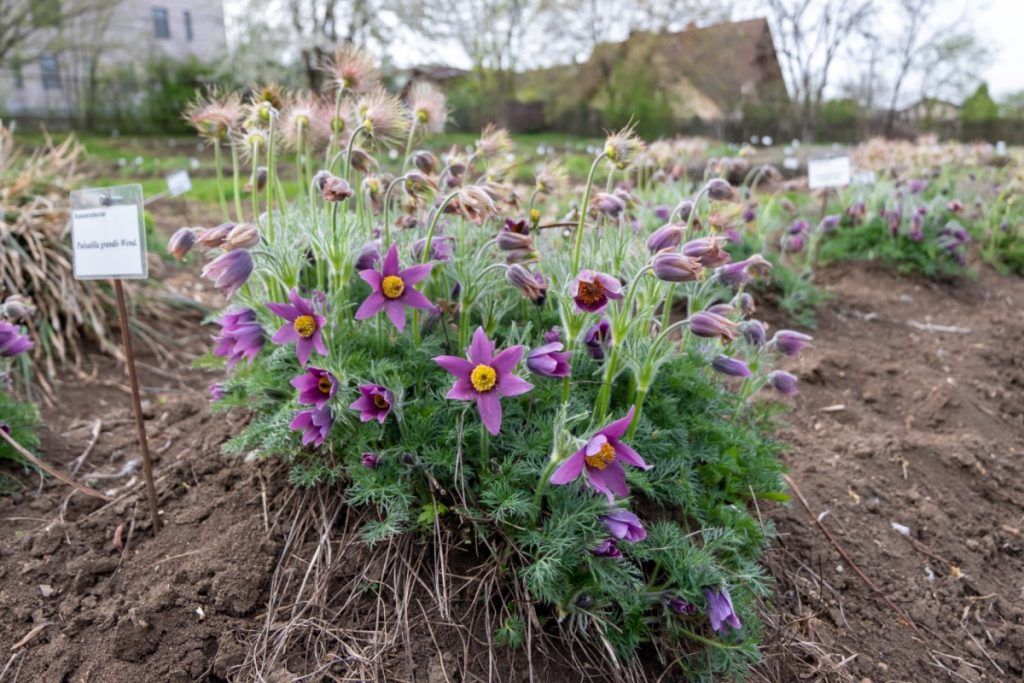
604,457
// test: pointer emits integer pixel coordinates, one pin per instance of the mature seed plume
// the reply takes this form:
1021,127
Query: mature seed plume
351,68
429,107
382,116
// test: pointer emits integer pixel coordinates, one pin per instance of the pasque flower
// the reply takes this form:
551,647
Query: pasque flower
368,256
607,548
316,387
210,238
707,324
314,423
667,236
549,360
754,332
707,250
240,336
532,285
741,272
181,242
720,610
602,457
229,271
12,341
783,382
681,606
624,525
371,461
242,236
393,290
303,326
216,392
592,290
374,402
331,187
733,367
597,337
790,343
671,266
608,204
485,377
720,190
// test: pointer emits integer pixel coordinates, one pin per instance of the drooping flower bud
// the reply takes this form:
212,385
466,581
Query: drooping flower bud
704,324
368,257
746,303
371,461
733,367
720,190
181,242
829,223
335,189
213,238
242,236
533,286
597,337
667,236
608,204
790,342
754,332
783,382
707,250
671,266
425,161
743,271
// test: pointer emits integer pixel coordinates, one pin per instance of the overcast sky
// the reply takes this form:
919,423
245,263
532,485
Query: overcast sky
1002,23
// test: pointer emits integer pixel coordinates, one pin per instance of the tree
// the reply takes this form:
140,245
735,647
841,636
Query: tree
28,27
809,37
979,107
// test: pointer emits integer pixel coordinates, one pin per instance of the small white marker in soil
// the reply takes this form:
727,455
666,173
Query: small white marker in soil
900,529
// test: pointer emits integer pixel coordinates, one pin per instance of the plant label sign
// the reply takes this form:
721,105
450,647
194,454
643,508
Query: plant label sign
108,237
791,163
834,172
178,183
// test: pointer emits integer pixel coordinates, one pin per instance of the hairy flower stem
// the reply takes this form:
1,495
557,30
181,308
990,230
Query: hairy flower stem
271,180
484,449
220,182
638,404
237,185
387,207
426,254
254,192
300,177
335,133
538,496
408,144
348,151
604,394
583,213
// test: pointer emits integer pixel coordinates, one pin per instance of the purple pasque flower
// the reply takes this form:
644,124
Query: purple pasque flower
681,606
790,342
662,212
217,392
602,458
829,223
955,206
798,227
733,367
240,336
533,285
857,210
393,289
592,290
181,243
229,271
597,337
549,360
668,236
368,256
754,332
783,382
314,423
710,325
485,377
12,341
316,387
608,204
916,233
720,611
671,266
302,326
371,461
917,186
746,303
749,214
607,548
793,244
374,402
720,190
708,250
624,525
741,272
440,248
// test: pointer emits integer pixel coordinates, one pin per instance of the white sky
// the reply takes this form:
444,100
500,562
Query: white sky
1002,24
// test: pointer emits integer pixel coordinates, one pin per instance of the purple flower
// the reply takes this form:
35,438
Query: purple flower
485,377
314,423
229,271
302,327
552,335
741,272
754,332
374,402
720,190
790,343
5,428
592,290
793,243
602,457
733,367
240,336
217,392
607,548
747,304
12,341
316,387
829,223
916,228
681,606
707,250
549,360
393,290
917,186
440,248
532,285
783,382
706,324
724,310
857,210
955,206
624,525
368,256
371,461
720,610
799,227
662,212
671,266
597,337
608,204
749,214
895,219
181,243
667,236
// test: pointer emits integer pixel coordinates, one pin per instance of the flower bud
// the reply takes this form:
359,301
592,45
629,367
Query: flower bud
746,304
668,236
783,382
335,189
720,190
704,324
181,243
790,343
671,266
608,204
371,461
242,236
829,223
363,162
418,185
257,181
425,161
707,250
743,271
684,210
213,238
754,332
531,285
733,367
368,257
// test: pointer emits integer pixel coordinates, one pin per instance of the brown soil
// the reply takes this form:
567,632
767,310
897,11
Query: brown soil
930,436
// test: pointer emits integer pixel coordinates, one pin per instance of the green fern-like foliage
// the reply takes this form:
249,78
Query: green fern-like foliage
23,420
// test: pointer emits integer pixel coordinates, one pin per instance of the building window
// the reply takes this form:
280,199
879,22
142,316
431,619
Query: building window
188,26
45,13
161,25
51,72
16,75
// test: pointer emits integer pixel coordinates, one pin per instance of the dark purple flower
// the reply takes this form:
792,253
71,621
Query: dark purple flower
857,210
316,387
681,606
667,236
955,206
705,324
624,525
917,186
720,190
12,341
549,360
552,335
746,303
793,243
597,337
798,227
592,290
741,272
229,271
608,204
314,423
302,326
371,461
662,212
829,223
894,217
916,228
733,367
240,336
607,548
683,210
720,610
783,382
217,392
749,214
181,243
602,458
708,250
518,245
724,310
440,248
790,343
393,290
671,266
368,257
530,284
485,377
213,238
754,332
374,402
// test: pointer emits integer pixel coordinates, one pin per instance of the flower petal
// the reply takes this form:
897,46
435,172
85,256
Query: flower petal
507,360
570,469
610,481
303,350
627,454
462,390
371,306
396,312
489,405
481,349
617,429
372,278
284,335
285,311
414,274
391,262
460,367
510,385
415,299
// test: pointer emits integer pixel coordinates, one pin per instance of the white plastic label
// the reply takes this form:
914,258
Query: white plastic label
178,183
791,163
108,236
833,172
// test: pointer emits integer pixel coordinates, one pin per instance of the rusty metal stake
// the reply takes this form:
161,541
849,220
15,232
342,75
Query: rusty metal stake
129,357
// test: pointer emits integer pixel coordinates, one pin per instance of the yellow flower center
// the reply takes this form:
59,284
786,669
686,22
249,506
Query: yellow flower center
392,286
609,151
602,458
590,292
422,116
534,215
324,384
380,402
483,378
305,325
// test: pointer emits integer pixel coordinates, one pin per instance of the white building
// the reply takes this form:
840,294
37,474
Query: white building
67,63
